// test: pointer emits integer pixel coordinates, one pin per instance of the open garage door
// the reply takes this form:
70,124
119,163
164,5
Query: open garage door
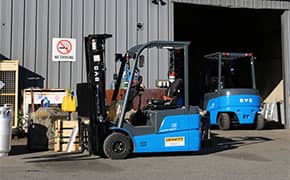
211,29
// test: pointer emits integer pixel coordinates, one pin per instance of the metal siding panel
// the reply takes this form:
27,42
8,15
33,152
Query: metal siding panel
88,23
132,16
210,2
202,1
77,32
285,5
257,4
249,3
153,53
17,31
6,10
286,62
30,35
221,2
198,1
230,3
240,3
276,5
142,18
171,20
110,43
142,35
65,67
153,22
267,4
100,16
213,2
163,35
121,29
120,32
54,23
132,23
288,5
41,39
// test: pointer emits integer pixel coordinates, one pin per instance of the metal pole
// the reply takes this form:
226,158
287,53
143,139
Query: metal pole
120,122
186,76
253,72
219,71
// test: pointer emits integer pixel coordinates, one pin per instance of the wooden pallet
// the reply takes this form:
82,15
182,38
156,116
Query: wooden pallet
63,132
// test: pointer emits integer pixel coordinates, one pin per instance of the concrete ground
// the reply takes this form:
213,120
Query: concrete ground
235,155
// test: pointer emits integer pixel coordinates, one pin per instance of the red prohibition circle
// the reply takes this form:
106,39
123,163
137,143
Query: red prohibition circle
64,47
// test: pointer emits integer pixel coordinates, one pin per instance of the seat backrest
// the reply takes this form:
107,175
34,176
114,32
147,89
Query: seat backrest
175,90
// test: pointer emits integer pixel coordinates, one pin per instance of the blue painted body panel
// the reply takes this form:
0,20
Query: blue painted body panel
186,140
180,123
243,106
176,133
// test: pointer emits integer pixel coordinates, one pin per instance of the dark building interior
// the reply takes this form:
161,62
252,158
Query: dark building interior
212,29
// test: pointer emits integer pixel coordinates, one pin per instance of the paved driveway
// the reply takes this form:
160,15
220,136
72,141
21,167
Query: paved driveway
235,155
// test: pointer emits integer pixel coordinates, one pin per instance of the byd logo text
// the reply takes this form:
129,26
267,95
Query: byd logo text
246,100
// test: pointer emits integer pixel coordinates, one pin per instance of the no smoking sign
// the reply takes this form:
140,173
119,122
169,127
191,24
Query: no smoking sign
63,49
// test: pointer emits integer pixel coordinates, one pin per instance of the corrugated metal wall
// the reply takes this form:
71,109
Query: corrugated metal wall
28,26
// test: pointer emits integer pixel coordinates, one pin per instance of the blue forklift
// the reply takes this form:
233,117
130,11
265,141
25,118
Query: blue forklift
158,127
232,97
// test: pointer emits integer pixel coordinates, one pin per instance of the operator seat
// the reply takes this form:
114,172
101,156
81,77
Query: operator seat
174,97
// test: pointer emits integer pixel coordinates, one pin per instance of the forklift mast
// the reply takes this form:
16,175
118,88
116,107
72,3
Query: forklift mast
96,75
91,95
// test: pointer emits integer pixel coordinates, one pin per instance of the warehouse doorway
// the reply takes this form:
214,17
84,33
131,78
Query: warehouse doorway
212,29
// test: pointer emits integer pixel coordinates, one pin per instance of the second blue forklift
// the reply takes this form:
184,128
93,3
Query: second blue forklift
232,97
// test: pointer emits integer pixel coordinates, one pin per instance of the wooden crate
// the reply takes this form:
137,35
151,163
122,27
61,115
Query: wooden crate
9,94
63,132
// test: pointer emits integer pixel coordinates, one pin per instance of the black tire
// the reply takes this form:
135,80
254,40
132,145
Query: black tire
260,122
224,121
117,146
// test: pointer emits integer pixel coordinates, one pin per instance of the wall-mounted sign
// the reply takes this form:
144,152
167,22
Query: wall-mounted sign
63,49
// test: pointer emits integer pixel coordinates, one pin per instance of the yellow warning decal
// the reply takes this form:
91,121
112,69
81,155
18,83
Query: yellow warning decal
174,141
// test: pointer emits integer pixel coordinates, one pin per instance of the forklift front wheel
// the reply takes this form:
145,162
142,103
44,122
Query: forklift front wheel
117,146
224,121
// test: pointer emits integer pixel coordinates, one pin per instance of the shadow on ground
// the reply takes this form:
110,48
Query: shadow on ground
19,146
217,144
61,157
19,150
268,126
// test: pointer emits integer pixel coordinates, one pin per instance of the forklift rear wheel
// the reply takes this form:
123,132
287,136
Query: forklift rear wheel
117,146
224,121
260,122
